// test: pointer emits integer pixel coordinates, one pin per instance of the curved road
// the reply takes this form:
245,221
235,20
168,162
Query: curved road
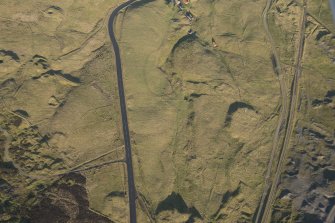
130,175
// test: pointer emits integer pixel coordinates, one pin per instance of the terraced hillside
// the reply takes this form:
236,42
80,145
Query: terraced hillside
231,111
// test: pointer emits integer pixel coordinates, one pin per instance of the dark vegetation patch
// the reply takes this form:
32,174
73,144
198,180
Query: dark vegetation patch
4,186
331,204
193,96
284,193
190,118
9,83
70,78
175,202
53,9
233,108
57,8
317,102
274,65
60,73
40,60
185,39
321,34
20,190
330,94
116,194
311,218
139,4
196,82
326,100
280,216
7,166
225,199
308,180
61,198
10,54
329,174
228,34
22,113
292,168
315,134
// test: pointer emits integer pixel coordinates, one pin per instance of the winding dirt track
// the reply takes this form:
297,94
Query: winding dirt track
283,112
266,217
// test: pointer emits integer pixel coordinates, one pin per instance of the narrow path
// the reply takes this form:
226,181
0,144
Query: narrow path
130,175
290,120
283,112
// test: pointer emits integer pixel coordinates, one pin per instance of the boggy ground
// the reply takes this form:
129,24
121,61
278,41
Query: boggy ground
58,107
